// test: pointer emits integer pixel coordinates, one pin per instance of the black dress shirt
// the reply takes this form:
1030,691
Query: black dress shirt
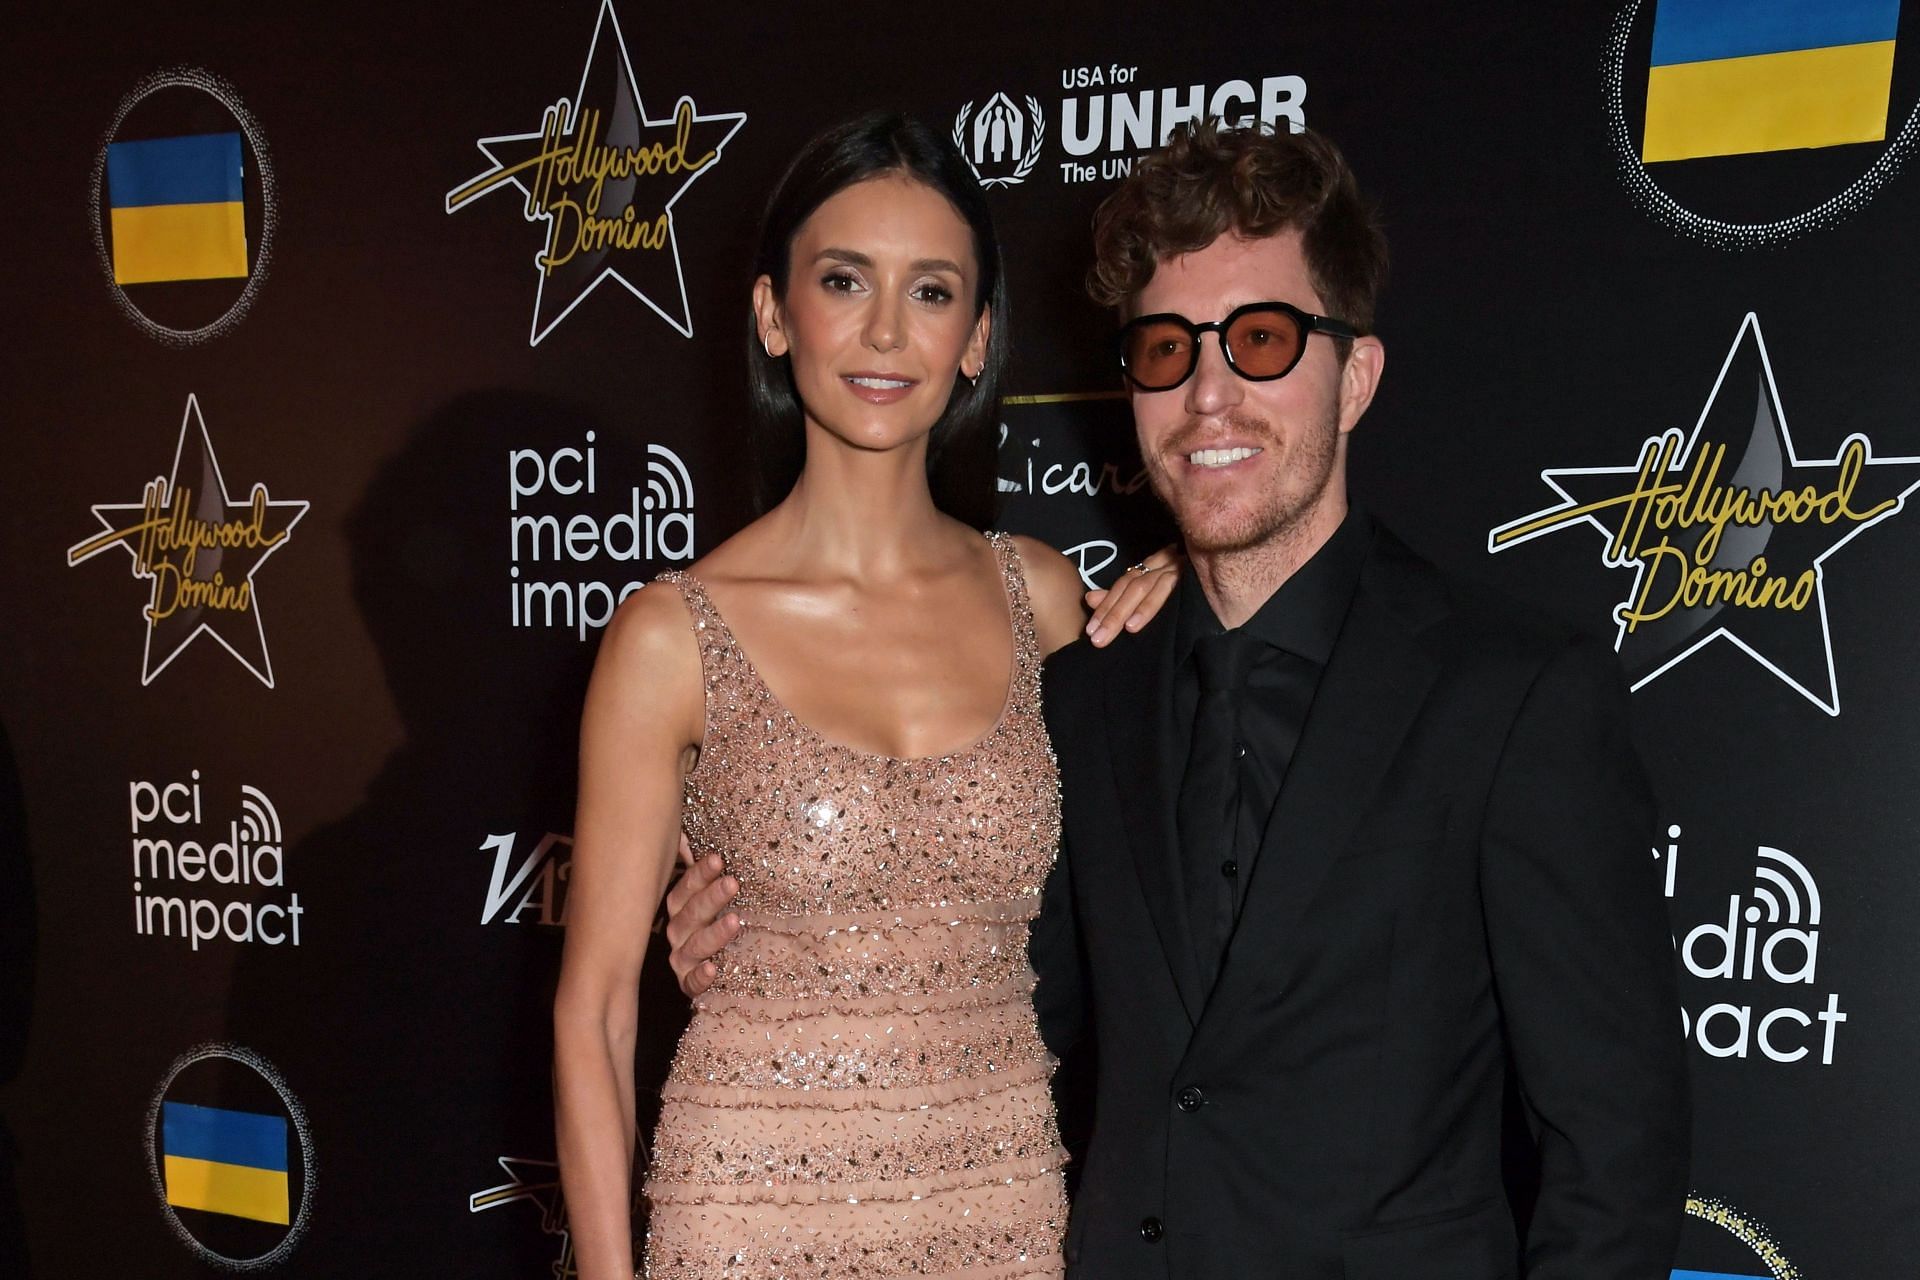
1295,632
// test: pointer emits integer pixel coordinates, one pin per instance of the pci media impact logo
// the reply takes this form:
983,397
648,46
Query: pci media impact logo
604,176
1764,951
184,206
228,878
231,1157
1745,125
200,549
1727,530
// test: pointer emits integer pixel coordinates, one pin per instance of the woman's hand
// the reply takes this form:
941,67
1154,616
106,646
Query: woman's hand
1136,596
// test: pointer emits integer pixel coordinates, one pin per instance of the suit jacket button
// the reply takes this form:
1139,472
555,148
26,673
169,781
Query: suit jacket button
1151,1230
1191,1099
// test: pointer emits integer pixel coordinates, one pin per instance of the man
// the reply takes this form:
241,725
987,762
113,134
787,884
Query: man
1347,843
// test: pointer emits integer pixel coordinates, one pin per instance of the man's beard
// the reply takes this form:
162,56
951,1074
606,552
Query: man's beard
1271,515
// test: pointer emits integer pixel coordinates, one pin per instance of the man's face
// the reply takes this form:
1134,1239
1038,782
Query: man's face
1244,463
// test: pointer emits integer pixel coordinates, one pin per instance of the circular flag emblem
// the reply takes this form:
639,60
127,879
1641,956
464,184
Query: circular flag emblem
1746,127
184,211
231,1157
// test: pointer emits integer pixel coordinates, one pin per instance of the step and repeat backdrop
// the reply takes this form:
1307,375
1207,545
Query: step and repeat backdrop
360,358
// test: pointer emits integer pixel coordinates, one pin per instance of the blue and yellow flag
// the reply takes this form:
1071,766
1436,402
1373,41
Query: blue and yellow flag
231,1162
176,209
1733,77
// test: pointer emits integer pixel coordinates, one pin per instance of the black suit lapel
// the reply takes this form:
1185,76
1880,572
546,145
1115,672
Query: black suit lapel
1147,757
1375,682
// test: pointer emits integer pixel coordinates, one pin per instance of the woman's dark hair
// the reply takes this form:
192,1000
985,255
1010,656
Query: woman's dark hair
961,452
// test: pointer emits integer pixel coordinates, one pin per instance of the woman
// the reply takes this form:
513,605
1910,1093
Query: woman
862,1092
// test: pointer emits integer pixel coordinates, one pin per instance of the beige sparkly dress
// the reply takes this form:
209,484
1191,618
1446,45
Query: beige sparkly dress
863,1091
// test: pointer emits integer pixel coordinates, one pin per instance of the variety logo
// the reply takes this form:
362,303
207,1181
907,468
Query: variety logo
655,523
1719,1238
200,550
1102,132
1802,95
235,865
603,177
231,1157
536,882
1727,530
185,206
1770,935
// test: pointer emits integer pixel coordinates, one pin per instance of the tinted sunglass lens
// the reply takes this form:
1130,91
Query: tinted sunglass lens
1265,343
1158,353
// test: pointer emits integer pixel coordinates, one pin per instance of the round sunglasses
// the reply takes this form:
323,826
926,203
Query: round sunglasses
1262,341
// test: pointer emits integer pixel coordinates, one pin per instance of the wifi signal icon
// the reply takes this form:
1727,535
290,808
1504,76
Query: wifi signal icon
1797,894
669,486
259,820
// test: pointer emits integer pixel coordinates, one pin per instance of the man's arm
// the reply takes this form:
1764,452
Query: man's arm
1583,966
1059,997
699,926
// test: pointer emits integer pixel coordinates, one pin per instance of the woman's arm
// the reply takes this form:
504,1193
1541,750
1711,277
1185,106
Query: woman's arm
643,717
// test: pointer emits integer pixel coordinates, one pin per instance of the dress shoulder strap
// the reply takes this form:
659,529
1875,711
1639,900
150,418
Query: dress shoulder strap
1026,638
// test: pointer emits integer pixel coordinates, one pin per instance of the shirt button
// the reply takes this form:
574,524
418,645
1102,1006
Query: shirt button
1151,1230
1239,749
1229,868
1191,1099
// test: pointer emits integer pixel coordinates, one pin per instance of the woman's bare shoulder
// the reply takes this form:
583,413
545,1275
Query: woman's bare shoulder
649,653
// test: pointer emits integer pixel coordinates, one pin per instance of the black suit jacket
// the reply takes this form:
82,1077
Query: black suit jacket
1456,882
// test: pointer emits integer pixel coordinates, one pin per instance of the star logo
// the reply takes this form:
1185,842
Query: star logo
200,549
604,176
1728,530
537,1181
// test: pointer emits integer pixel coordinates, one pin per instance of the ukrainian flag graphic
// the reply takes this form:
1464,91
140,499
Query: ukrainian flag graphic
231,1162
1734,77
176,209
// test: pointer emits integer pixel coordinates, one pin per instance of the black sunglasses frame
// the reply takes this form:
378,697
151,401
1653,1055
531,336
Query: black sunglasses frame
1309,323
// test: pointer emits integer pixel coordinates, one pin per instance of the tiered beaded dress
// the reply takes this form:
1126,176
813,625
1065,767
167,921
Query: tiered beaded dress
862,1093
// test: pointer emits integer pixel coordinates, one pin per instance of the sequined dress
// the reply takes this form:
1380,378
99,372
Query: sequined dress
863,1091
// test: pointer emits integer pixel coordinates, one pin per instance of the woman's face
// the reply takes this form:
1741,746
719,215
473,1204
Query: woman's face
878,317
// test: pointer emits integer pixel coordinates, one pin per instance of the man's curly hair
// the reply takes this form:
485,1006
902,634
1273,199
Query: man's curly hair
1208,181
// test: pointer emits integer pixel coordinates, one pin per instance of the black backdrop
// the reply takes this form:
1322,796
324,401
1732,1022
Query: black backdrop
392,713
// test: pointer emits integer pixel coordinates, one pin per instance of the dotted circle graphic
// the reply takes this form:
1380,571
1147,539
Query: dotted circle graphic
1721,234
265,1070
223,93
1743,1228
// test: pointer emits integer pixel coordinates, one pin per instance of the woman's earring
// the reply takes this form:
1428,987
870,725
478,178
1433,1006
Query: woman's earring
766,345
973,379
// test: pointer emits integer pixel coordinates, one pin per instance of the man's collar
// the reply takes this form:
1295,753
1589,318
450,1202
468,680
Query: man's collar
1304,614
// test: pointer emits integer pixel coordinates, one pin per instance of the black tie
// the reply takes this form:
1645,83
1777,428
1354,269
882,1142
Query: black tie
1210,801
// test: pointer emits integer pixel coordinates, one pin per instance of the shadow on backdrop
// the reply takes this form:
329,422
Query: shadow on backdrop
415,1028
